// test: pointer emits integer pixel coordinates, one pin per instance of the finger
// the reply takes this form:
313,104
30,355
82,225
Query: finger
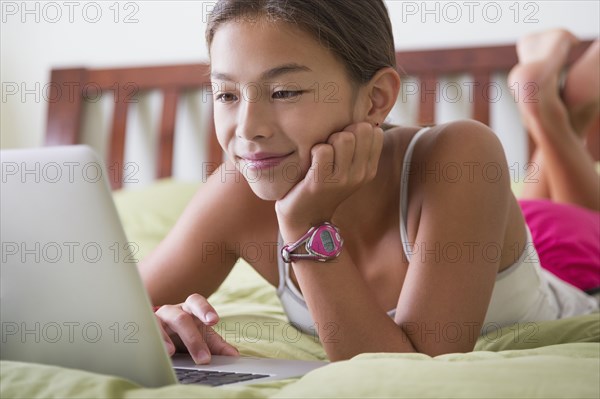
197,305
166,339
160,313
218,345
343,151
322,167
190,332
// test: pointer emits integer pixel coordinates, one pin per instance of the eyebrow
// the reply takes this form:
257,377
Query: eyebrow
268,74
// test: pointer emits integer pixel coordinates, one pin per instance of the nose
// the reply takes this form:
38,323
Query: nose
253,117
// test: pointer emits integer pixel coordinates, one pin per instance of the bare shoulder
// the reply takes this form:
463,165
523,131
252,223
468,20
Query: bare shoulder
462,138
466,139
464,152
460,166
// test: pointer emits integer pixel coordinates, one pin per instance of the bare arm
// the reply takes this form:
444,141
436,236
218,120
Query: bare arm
201,249
462,224
438,292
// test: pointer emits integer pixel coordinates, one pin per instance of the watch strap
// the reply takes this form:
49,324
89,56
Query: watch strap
313,250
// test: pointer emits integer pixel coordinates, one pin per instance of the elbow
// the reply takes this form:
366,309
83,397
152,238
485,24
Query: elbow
439,348
432,343
395,341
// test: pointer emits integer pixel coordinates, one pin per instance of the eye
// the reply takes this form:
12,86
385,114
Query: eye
226,98
286,94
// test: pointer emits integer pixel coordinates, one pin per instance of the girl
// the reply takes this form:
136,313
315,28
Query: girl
303,88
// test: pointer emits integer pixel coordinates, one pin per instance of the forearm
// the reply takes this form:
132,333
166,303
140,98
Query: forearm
170,274
349,320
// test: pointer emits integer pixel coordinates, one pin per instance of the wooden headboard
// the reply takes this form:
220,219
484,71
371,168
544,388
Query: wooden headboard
64,114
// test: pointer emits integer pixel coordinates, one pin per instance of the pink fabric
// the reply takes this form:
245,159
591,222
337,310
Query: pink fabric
567,238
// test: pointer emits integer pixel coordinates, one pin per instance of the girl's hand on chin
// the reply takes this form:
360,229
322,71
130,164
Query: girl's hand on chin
339,167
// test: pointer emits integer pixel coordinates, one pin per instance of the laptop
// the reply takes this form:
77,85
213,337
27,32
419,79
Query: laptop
71,294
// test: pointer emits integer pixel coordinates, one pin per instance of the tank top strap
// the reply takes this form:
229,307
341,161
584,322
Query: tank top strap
283,270
406,165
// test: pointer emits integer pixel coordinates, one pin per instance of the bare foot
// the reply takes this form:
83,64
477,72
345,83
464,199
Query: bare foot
536,80
550,46
545,54
582,89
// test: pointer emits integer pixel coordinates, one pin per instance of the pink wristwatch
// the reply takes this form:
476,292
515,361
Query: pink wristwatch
323,243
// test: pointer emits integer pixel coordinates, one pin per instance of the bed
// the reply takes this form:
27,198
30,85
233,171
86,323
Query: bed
549,359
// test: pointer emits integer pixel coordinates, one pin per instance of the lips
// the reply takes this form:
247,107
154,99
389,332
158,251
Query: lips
263,160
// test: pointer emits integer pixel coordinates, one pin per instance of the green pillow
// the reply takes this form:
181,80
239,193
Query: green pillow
148,213
531,335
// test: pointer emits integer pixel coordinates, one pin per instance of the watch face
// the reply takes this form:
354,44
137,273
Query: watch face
325,242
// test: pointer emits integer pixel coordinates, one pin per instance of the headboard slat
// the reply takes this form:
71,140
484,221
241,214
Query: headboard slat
428,93
482,92
215,152
64,106
167,133
116,157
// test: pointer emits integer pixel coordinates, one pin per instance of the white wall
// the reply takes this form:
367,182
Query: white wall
39,35
433,24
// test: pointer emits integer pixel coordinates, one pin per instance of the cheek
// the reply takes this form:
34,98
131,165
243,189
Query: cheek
224,130
313,122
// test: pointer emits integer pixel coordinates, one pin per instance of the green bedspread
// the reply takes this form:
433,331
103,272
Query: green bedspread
550,359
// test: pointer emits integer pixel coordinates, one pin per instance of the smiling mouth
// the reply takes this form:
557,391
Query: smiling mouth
263,161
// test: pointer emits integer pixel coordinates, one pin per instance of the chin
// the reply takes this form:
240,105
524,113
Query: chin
269,191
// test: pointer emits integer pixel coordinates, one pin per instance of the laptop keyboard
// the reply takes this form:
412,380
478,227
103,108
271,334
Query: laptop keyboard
213,378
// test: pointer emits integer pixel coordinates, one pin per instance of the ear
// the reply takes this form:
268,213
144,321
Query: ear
382,92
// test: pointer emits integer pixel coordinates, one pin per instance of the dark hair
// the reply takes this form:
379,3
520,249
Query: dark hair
358,32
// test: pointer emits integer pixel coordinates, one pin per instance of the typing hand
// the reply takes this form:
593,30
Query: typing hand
187,327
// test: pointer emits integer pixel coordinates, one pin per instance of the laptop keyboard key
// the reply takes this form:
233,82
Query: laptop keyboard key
213,378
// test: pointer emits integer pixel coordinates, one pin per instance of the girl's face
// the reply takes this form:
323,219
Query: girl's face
277,93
